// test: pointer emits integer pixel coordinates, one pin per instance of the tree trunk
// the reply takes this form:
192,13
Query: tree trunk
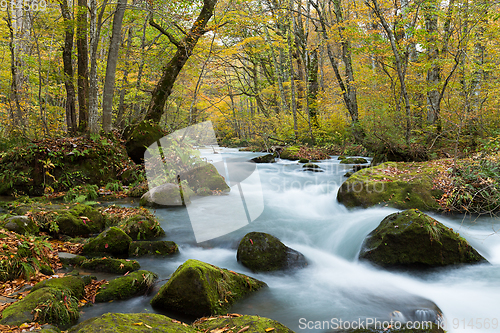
292,75
434,72
109,82
83,63
124,85
68,67
185,48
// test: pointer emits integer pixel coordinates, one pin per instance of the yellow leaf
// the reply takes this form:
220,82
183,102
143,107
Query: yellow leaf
147,326
269,329
138,324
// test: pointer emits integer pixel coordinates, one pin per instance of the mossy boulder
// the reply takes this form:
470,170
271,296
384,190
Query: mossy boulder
152,248
253,324
129,322
303,160
205,175
113,241
142,227
290,153
56,305
110,265
312,167
268,158
74,284
263,252
125,287
140,136
71,259
78,220
354,160
199,289
166,195
21,224
396,184
413,239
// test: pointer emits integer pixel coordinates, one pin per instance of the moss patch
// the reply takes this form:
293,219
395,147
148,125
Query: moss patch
113,241
197,288
142,227
72,283
255,324
413,239
205,175
128,322
353,160
125,287
109,265
152,248
399,185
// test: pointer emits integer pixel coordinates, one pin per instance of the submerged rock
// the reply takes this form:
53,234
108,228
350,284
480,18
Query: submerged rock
113,241
129,322
413,239
268,158
125,287
262,252
200,289
246,323
399,185
152,248
166,195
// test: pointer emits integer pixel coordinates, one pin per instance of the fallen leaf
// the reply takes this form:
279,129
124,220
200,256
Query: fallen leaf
269,329
137,324
244,329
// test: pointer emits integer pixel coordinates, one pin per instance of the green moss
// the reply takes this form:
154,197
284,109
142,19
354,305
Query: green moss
72,283
311,166
262,252
303,160
255,324
128,323
140,136
125,287
205,176
353,160
197,288
114,241
407,185
152,248
21,225
142,227
109,265
413,239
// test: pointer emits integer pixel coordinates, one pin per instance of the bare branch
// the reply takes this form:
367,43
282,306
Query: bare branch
165,32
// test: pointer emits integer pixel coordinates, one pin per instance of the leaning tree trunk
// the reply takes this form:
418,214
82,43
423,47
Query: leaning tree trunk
109,81
185,48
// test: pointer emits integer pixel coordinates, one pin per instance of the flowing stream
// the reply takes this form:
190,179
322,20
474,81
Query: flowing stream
300,208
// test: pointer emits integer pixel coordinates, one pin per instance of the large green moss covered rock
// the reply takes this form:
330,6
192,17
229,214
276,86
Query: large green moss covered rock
142,227
79,219
125,287
263,252
205,175
400,185
113,241
152,248
74,284
56,306
268,158
353,160
413,239
21,224
110,265
140,136
253,324
131,323
199,289
166,195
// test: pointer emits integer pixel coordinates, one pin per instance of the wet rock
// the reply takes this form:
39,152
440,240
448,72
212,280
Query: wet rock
113,241
312,167
303,160
205,175
250,324
70,258
21,224
127,322
200,289
165,195
262,252
413,239
268,158
152,248
110,265
73,283
79,220
125,287
354,160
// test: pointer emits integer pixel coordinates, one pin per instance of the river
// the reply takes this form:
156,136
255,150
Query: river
300,208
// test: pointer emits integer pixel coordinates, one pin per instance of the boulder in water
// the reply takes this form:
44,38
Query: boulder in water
167,194
113,241
124,287
263,252
268,158
200,289
413,239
